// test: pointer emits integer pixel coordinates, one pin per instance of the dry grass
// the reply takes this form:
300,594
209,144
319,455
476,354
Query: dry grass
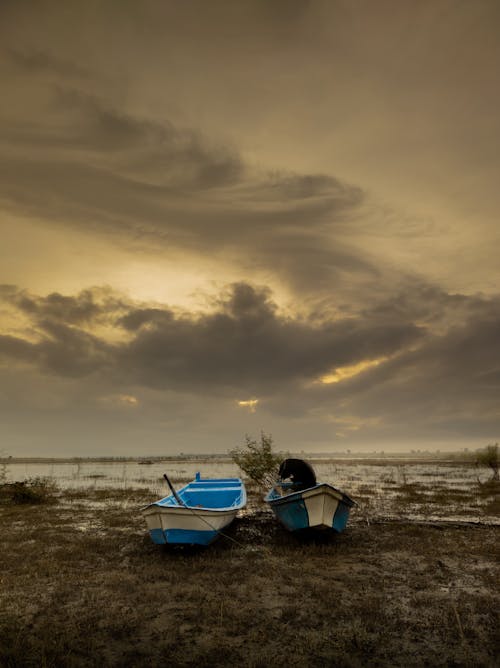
84,586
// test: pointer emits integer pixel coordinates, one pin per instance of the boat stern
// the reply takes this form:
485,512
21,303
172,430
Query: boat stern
321,507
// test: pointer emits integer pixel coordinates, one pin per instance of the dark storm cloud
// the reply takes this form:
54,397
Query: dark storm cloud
63,351
244,345
138,317
89,165
62,346
88,307
91,136
13,348
179,157
446,386
44,62
81,131
437,377
430,305
285,186
459,351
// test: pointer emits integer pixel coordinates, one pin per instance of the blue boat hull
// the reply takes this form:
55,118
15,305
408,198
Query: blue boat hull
182,536
319,507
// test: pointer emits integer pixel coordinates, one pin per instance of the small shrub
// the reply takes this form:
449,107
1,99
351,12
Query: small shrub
32,491
258,460
488,457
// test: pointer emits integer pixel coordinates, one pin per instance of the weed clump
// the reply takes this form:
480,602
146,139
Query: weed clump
258,460
30,491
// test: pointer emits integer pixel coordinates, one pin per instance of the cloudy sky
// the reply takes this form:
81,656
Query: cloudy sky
221,217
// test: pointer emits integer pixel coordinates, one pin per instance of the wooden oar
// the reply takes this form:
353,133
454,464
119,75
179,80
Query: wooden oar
176,496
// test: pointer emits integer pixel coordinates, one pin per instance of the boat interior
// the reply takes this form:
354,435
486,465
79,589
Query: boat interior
220,494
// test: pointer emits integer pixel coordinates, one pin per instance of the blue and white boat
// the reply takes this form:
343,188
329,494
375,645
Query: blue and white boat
197,513
319,507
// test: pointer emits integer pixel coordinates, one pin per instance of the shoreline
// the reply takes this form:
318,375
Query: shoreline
369,458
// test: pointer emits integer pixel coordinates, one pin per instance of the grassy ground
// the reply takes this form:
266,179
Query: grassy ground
82,585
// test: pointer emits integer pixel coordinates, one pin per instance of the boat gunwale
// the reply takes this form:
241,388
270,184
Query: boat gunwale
196,509
239,503
320,488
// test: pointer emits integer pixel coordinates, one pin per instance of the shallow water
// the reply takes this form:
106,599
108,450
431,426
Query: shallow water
119,475
351,475
380,489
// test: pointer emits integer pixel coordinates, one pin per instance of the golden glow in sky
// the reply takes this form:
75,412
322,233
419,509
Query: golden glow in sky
345,372
251,404
123,400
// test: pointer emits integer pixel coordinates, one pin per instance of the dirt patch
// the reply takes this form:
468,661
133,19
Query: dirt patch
392,593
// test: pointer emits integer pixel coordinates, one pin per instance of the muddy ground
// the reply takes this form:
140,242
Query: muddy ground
81,584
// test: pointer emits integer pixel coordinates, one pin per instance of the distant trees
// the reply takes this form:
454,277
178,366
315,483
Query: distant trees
3,466
488,457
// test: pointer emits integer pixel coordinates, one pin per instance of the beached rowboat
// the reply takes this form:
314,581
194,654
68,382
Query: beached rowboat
196,513
319,507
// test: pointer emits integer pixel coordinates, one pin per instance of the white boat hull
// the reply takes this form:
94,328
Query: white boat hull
186,525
